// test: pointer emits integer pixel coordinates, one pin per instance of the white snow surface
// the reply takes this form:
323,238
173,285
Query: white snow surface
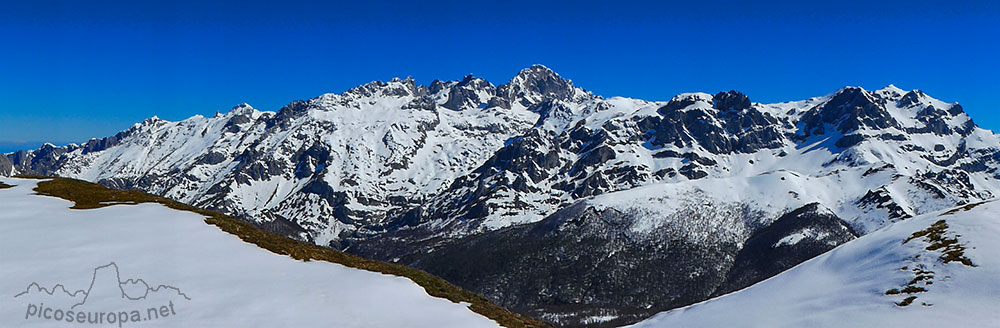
803,234
846,286
229,283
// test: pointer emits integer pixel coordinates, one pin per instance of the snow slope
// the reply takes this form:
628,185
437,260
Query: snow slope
211,278
847,287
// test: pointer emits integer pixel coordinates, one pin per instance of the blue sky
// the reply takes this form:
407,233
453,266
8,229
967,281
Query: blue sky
71,71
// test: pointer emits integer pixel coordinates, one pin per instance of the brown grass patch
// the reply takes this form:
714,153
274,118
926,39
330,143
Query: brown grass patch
88,195
963,208
949,247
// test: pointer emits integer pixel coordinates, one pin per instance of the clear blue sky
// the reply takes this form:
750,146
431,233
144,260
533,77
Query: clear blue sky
71,71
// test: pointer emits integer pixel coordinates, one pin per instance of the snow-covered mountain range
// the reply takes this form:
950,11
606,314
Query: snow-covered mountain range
601,188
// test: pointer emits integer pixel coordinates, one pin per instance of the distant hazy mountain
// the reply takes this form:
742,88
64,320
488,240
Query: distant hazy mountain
553,201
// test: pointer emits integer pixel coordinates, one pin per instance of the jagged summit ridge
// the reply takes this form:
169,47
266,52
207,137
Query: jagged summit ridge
388,147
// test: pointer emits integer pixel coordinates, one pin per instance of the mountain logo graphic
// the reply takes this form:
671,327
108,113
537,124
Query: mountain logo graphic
141,289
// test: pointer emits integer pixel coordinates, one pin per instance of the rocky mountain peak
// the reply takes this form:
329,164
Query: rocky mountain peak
475,83
911,99
394,88
242,109
850,109
685,100
470,79
535,84
956,109
292,110
890,92
850,95
152,120
731,101
470,92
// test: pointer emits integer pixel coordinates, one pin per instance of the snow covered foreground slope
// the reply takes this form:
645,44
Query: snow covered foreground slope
866,282
209,278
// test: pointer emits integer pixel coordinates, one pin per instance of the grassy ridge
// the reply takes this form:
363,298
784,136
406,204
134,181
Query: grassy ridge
88,195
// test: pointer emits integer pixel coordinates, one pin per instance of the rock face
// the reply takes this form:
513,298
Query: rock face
456,171
849,110
793,238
